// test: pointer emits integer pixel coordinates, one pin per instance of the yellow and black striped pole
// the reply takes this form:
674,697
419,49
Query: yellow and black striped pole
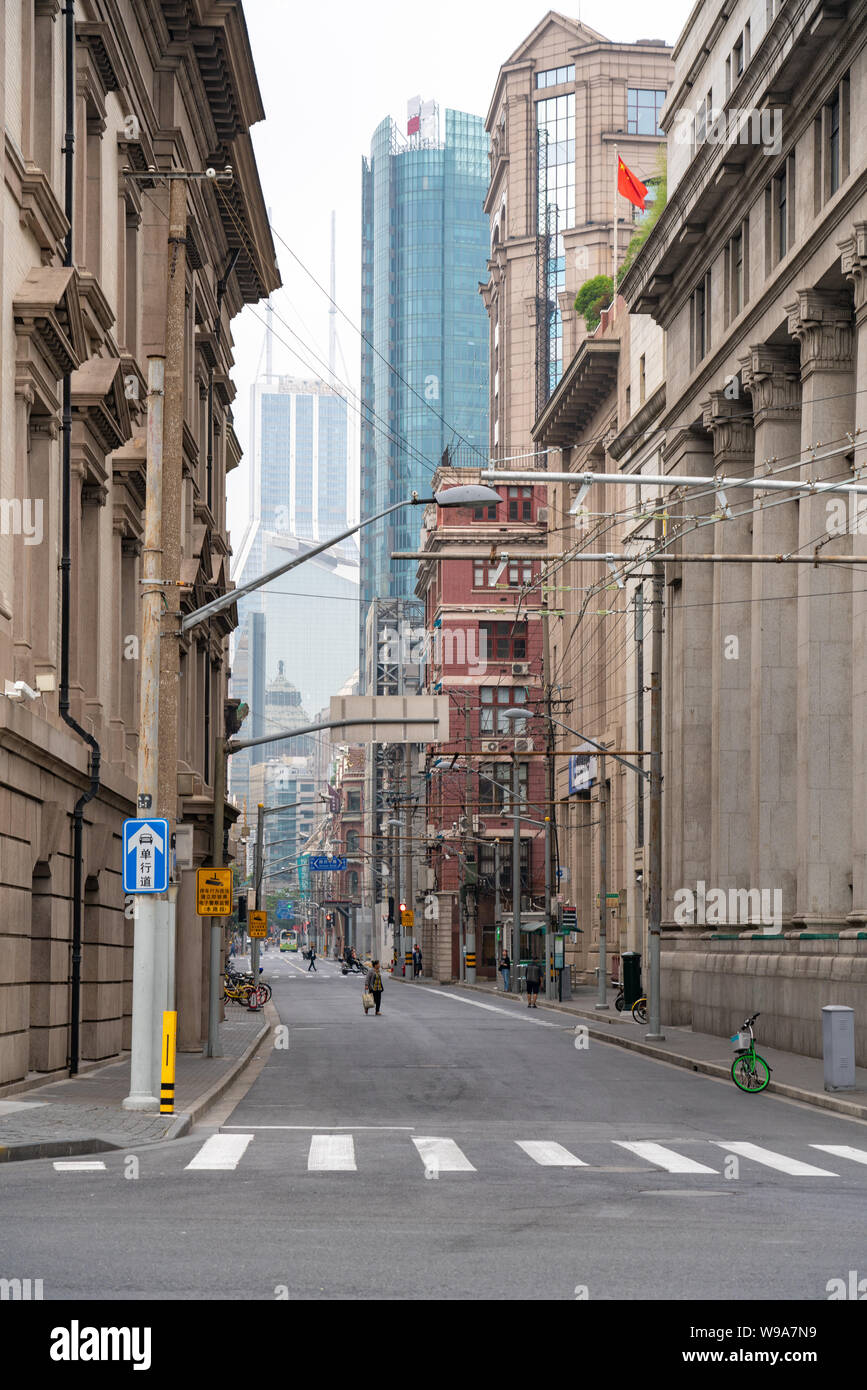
167,1080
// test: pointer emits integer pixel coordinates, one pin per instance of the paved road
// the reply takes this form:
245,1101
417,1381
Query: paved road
454,1148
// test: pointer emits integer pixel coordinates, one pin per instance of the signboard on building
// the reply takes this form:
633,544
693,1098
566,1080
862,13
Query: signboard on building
582,772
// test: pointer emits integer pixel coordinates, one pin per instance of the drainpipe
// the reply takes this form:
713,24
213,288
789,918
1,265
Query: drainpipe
65,563
218,329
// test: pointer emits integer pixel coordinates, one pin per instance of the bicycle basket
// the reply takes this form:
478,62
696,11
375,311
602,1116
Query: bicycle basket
741,1042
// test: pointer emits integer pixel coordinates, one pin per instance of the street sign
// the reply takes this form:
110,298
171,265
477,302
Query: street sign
213,892
285,910
407,918
257,925
145,856
323,863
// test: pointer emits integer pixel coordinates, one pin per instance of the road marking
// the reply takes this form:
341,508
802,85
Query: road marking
664,1158
224,1128
222,1152
549,1154
780,1162
442,1156
331,1153
843,1151
492,1008
93,1167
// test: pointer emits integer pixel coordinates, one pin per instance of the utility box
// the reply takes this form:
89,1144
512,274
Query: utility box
838,1047
630,977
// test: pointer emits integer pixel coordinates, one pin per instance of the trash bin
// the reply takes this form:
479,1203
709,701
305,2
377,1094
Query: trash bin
630,974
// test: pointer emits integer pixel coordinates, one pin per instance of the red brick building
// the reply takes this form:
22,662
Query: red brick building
484,627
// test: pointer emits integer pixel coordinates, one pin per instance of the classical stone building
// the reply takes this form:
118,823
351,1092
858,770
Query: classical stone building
757,273
157,85
562,102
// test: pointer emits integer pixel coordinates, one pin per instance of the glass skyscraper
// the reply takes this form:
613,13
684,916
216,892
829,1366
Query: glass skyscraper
424,362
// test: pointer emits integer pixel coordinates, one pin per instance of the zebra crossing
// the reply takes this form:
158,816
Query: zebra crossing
350,1152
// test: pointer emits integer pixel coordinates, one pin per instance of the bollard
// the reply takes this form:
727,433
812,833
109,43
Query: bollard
167,1081
838,1047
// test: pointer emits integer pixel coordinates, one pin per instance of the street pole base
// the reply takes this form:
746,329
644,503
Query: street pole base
141,1103
602,1006
654,1037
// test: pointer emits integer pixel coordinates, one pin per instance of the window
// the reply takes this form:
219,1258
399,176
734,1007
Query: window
503,641
700,307
831,147
738,58
553,77
520,501
495,698
642,380
642,110
352,842
781,213
736,271
495,786
488,512
352,884
833,110
516,572
353,801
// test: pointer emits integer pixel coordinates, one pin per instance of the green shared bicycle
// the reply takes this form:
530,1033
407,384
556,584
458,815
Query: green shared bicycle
750,1072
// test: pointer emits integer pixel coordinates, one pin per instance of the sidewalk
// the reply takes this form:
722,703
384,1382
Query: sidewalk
84,1114
796,1077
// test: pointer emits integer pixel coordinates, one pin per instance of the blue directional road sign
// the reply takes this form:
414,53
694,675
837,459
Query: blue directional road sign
285,910
145,856
323,862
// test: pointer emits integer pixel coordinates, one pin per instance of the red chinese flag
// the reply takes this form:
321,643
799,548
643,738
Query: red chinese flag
413,125
631,187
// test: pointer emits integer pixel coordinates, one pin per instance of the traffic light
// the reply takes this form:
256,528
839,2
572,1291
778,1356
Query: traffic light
329,919
242,908
403,907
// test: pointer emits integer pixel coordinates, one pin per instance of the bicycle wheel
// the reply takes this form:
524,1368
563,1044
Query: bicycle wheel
266,991
618,1003
639,1010
750,1073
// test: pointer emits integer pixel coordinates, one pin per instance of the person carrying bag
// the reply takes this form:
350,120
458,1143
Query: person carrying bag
372,988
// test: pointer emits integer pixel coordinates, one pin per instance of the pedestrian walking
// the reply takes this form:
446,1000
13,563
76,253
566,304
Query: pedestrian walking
534,979
373,984
416,962
506,968
311,956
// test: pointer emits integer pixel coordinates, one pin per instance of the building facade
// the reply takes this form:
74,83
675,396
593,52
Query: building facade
156,85
756,272
424,366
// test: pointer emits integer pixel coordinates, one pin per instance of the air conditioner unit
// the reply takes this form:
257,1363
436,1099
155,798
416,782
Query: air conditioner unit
479,825
490,745
520,668
523,745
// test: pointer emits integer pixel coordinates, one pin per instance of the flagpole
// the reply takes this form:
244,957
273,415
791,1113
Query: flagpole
614,247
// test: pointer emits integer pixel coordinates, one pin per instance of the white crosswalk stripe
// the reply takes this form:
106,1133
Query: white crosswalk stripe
442,1155
84,1167
221,1153
781,1162
331,1153
549,1154
664,1158
843,1151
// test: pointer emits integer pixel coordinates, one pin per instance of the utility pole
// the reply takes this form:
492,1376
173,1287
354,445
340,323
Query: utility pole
172,501
143,1062
212,1046
497,915
408,875
257,879
468,938
395,816
602,995
655,828
516,869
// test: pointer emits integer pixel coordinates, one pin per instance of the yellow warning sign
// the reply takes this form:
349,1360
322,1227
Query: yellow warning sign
213,892
257,924
407,918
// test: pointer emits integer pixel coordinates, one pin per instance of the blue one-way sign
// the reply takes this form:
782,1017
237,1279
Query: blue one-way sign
323,862
145,856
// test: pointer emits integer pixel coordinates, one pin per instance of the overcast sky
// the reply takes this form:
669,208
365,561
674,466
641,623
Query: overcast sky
329,72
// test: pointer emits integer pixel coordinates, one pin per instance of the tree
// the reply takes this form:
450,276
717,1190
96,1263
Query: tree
592,298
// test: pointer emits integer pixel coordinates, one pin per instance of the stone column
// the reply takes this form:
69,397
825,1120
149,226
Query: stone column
772,377
687,682
822,322
731,427
854,261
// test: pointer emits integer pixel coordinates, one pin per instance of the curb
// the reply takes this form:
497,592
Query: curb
822,1101
181,1124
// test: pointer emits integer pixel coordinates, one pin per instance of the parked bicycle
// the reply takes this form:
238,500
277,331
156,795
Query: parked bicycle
750,1072
639,1010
